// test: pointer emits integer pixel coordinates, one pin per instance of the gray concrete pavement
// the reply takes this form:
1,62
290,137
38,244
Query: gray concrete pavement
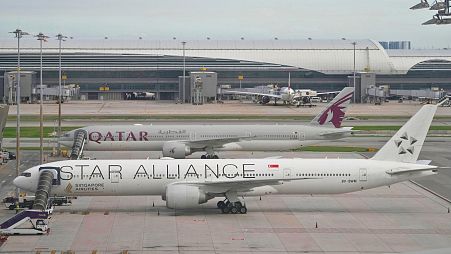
143,108
401,218
384,220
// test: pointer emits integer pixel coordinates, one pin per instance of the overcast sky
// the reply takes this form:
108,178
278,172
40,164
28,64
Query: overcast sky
229,19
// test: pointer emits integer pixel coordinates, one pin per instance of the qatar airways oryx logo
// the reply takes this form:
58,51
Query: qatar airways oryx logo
98,137
335,113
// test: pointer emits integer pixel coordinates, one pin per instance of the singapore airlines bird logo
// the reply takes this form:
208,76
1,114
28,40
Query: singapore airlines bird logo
68,188
335,113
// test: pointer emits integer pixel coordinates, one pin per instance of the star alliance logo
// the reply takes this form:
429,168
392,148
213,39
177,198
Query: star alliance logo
405,144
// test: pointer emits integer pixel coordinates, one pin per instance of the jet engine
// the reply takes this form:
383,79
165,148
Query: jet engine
182,196
265,99
176,150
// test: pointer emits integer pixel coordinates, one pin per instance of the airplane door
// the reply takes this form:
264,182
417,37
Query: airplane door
287,173
301,136
363,175
115,176
192,136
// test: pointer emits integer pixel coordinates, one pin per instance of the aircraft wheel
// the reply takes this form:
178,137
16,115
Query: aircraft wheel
220,204
215,156
234,210
243,210
238,205
225,209
203,156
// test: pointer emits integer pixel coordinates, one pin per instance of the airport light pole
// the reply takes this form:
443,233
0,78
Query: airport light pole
41,38
184,68
354,44
60,38
18,34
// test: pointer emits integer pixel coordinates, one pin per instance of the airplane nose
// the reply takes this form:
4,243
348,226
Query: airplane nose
17,182
66,143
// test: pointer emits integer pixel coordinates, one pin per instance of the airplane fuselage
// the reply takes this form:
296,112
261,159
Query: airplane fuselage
151,177
242,137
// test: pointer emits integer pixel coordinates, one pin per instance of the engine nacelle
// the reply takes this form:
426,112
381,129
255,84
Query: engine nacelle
182,196
265,99
176,150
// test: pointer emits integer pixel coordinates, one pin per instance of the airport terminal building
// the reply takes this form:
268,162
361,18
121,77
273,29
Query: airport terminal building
108,69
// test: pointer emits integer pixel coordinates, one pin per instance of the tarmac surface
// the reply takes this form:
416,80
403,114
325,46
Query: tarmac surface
153,108
401,218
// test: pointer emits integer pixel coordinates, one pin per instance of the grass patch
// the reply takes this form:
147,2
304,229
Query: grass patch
29,148
32,132
337,149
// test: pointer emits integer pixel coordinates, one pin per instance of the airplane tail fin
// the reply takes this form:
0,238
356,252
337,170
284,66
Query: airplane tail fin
406,144
333,114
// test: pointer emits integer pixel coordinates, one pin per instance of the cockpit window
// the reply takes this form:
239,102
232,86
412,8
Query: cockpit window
26,174
66,135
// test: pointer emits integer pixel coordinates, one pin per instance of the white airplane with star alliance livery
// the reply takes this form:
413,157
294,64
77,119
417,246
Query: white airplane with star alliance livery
189,182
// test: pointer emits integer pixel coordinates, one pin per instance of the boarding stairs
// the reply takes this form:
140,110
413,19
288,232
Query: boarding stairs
37,219
80,137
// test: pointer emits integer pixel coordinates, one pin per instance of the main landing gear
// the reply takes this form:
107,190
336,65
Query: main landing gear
232,207
209,156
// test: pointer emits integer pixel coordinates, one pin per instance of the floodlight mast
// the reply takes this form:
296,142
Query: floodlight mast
442,8
422,5
41,38
18,34
60,38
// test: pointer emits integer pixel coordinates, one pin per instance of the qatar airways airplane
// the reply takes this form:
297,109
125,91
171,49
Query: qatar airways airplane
182,140
190,182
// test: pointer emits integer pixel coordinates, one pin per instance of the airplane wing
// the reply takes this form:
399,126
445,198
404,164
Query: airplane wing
237,185
255,93
327,93
214,142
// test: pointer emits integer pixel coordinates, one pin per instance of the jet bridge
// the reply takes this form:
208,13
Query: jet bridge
80,137
39,215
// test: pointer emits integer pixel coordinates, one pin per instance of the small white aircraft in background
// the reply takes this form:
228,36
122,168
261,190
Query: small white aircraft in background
264,94
190,182
140,96
183,140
